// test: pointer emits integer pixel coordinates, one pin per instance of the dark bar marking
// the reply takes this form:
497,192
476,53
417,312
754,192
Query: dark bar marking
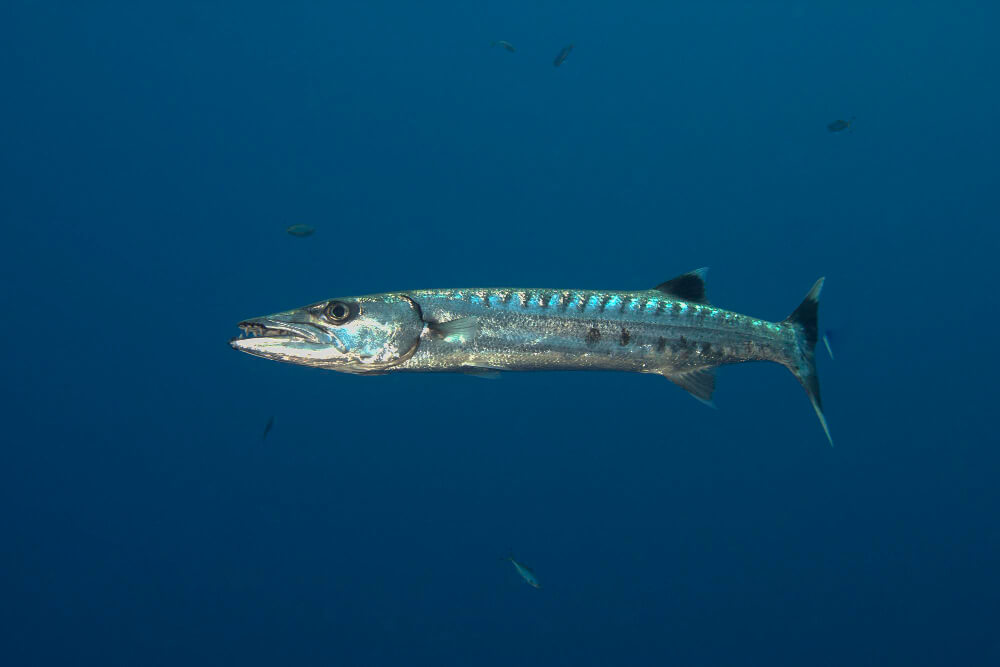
661,344
593,336
625,337
564,301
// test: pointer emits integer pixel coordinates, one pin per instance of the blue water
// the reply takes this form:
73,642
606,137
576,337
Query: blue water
150,161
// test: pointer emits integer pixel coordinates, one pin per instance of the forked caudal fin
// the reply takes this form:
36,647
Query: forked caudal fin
803,366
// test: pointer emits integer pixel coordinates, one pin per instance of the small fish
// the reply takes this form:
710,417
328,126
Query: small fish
840,125
267,428
301,230
525,572
505,44
561,58
826,341
671,330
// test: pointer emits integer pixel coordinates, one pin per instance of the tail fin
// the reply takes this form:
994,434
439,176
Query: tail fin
803,366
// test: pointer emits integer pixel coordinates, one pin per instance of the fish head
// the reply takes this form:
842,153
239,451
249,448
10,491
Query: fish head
353,335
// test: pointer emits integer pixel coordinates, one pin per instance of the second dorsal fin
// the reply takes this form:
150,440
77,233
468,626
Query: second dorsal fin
688,286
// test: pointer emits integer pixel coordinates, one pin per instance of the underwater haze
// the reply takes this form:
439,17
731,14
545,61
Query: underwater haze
166,500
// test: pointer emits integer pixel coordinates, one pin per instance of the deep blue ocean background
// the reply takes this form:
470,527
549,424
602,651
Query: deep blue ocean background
150,161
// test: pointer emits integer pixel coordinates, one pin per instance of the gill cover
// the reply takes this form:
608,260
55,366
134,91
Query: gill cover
382,331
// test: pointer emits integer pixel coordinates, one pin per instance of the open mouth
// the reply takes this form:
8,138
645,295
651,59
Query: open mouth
268,328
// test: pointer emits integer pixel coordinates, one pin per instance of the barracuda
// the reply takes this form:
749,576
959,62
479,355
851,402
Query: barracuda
671,330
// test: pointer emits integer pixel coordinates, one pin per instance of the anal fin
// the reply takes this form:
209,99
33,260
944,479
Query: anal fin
699,383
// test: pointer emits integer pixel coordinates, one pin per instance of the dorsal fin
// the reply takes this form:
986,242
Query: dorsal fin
689,286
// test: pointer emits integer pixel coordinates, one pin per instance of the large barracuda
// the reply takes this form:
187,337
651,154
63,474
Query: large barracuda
670,330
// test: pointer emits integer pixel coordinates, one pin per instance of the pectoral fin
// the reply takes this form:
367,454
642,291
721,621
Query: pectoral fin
462,330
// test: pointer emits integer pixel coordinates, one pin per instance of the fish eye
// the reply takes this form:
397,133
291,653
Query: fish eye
338,312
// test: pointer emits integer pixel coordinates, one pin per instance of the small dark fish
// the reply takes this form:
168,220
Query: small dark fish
561,58
505,44
525,572
837,339
268,427
301,230
840,125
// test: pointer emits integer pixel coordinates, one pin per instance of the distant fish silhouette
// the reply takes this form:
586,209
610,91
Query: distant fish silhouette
840,125
838,338
505,44
267,428
561,58
525,572
301,230
826,341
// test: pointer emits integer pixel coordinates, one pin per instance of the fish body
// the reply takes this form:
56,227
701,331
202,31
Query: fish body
505,44
826,341
670,330
301,230
561,58
525,572
268,427
839,125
